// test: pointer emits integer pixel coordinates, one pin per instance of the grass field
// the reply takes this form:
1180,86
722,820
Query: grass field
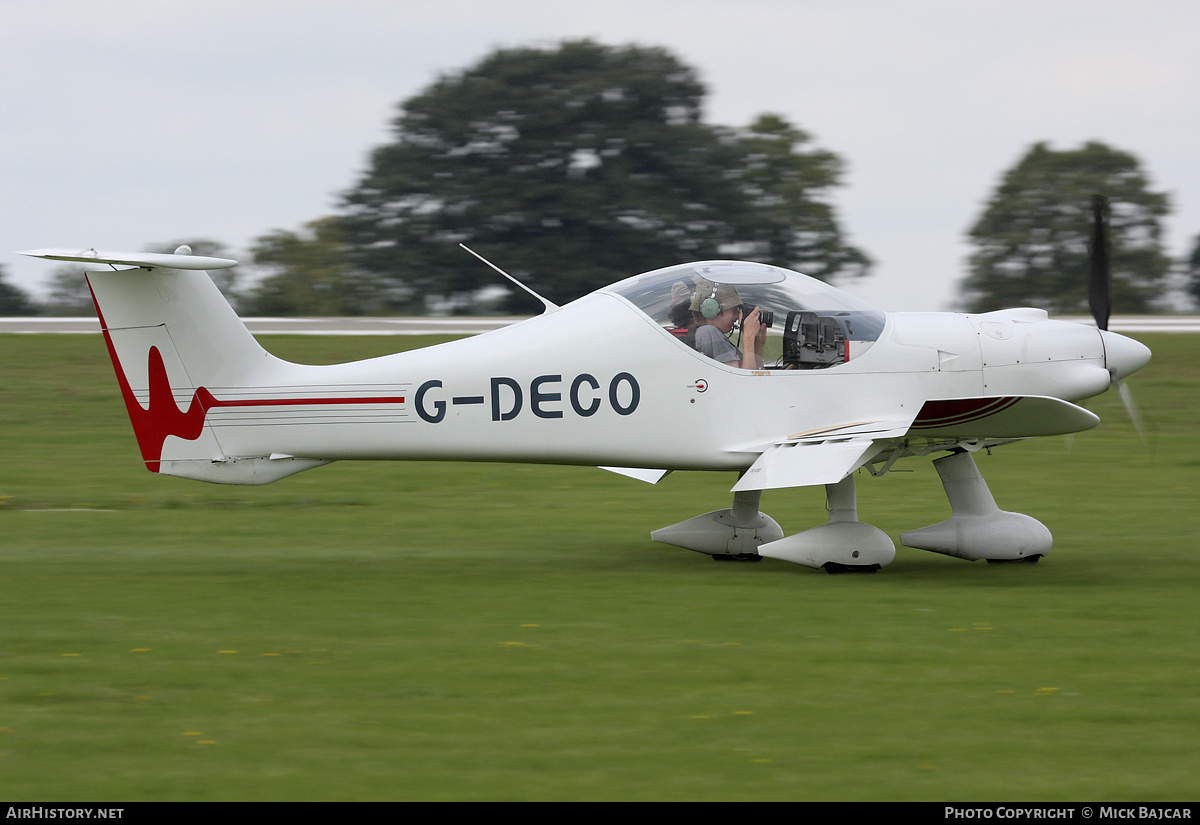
457,631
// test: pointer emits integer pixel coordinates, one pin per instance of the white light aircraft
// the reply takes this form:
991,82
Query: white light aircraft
606,381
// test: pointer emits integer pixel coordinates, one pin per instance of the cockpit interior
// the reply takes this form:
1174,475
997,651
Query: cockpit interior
810,324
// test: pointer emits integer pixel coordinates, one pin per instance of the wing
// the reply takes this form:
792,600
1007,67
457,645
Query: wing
1011,416
824,456
828,455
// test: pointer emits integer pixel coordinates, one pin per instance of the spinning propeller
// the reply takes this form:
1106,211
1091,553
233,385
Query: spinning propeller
1100,303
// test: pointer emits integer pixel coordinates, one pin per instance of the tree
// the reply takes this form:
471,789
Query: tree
14,300
575,166
69,293
309,274
1032,239
1191,268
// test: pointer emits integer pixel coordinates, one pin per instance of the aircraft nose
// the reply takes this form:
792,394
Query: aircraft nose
1123,356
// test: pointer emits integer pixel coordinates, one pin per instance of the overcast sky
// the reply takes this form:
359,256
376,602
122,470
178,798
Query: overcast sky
128,122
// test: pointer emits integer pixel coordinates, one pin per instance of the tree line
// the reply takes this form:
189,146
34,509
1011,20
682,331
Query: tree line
582,164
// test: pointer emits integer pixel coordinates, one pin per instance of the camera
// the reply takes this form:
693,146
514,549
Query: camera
766,317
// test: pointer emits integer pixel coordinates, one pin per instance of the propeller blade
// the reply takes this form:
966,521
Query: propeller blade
1099,277
1100,302
1135,415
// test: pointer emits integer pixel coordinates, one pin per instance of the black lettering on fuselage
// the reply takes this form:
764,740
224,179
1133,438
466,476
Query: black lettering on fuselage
576,404
537,397
545,397
515,409
439,407
635,393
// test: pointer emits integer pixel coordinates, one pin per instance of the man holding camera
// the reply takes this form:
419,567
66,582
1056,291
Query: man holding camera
717,308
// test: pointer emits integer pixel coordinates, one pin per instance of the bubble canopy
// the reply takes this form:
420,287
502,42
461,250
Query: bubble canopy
660,293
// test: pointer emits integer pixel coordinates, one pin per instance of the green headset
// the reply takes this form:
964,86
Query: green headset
710,307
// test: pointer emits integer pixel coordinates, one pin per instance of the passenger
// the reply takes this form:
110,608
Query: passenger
680,315
717,309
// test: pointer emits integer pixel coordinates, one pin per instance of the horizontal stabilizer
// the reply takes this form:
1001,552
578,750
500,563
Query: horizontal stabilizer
1015,416
141,259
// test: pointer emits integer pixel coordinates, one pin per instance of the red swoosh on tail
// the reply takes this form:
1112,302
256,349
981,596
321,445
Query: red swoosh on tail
152,424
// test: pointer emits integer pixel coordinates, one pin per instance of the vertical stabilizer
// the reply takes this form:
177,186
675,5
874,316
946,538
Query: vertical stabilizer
214,346
174,341
176,345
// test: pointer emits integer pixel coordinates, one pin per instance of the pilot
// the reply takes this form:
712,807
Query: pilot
717,308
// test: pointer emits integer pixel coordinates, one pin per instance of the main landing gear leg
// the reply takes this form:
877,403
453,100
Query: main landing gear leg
977,528
843,545
726,535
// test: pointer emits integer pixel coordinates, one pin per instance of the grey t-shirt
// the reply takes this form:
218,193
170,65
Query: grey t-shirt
712,343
